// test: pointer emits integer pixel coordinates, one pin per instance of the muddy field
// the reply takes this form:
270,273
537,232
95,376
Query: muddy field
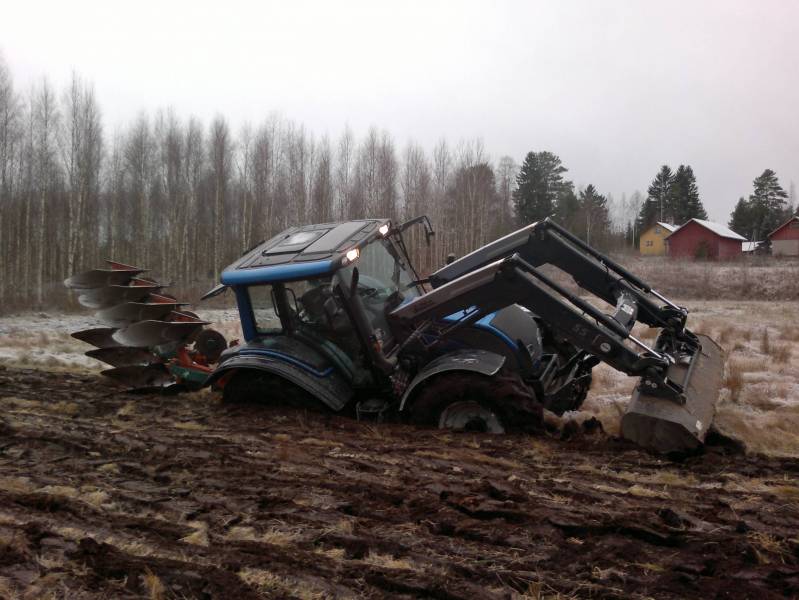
112,495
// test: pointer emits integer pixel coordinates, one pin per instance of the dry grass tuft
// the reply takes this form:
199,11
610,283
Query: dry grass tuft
318,442
644,492
789,334
765,342
112,468
781,353
333,553
19,485
64,491
387,561
127,410
725,334
65,408
346,526
272,584
200,535
272,535
734,381
155,589
766,545
95,498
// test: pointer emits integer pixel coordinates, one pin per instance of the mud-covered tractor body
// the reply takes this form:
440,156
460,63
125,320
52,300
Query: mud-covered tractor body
316,307
335,316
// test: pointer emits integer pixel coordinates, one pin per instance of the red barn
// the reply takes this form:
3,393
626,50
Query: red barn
785,239
704,239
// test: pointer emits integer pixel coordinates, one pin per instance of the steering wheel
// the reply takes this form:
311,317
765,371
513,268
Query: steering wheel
373,293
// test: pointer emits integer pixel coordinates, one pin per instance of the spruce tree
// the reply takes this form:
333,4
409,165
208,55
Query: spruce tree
594,212
741,218
656,207
767,205
539,185
685,203
567,207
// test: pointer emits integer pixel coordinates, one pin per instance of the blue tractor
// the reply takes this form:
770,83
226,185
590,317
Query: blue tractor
335,317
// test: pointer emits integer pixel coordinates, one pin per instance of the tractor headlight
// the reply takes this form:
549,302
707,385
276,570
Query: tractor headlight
383,229
352,255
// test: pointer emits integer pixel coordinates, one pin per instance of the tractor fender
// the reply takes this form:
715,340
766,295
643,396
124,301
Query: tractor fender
327,386
483,362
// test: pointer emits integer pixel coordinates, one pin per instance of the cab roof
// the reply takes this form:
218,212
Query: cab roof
301,252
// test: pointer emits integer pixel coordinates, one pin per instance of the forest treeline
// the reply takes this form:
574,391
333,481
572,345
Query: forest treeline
184,198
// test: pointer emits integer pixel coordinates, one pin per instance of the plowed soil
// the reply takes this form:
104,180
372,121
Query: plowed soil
113,495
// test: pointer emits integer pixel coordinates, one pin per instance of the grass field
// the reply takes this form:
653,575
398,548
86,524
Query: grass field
759,404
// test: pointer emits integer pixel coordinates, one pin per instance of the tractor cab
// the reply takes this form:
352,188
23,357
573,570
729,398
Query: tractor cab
315,300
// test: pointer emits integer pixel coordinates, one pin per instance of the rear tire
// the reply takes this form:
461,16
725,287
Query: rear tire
463,401
250,386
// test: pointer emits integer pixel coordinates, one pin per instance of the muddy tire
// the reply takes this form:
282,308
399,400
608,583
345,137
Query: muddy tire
571,397
250,386
474,402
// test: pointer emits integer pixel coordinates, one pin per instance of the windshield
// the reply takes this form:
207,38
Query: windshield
384,283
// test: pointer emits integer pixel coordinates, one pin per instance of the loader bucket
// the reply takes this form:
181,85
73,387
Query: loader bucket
668,425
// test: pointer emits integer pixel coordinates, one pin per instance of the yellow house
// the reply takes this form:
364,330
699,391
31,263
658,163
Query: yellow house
652,240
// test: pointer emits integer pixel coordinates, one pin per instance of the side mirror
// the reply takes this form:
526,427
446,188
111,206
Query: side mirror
429,234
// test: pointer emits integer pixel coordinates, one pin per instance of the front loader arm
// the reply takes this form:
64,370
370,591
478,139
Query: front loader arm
546,242
513,280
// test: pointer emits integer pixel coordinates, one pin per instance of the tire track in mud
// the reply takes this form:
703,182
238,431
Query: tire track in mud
108,494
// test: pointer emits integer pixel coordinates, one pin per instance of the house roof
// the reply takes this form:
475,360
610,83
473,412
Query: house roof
793,218
667,226
717,228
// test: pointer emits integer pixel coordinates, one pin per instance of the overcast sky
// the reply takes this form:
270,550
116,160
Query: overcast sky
615,88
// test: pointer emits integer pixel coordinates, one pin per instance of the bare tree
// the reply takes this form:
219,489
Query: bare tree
244,162
9,139
416,185
343,173
193,167
46,119
81,144
507,169
221,158
323,183
137,233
